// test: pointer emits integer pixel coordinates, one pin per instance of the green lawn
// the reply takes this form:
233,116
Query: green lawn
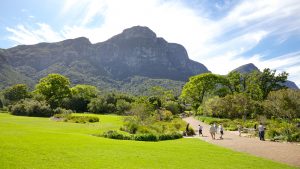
37,143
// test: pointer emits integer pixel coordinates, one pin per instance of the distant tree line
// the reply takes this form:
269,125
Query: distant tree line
55,91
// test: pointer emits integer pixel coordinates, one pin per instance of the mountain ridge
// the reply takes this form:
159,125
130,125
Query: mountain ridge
137,51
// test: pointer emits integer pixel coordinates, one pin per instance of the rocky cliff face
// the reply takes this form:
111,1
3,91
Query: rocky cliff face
137,51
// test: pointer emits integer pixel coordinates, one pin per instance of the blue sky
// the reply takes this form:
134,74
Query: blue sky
221,34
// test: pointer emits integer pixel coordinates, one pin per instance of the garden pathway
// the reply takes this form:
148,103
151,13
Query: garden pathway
282,152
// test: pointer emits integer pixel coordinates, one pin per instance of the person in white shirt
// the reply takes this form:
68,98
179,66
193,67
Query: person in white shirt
261,132
216,127
212,131
221,131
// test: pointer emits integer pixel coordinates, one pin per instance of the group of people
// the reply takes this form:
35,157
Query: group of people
213,130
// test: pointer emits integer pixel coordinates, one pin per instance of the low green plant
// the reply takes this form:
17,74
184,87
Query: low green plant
119,135
76,119
145,137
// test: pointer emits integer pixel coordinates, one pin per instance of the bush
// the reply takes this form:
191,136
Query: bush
282,130
76,119
116,135
146,137
171,136
140,137
166,115
63,111
29,107
173,106
122,106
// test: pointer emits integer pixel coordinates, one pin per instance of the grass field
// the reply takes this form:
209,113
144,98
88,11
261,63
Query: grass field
37,143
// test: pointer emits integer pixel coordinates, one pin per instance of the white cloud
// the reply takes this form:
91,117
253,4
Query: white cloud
27,35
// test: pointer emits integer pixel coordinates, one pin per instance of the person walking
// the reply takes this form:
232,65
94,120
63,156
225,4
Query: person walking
261,132
212,131
240,129
216,128
200,130
187,129
221,131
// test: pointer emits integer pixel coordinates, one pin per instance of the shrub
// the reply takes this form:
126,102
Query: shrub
166,115
63,111
170,136
29,107
173,106
76,119
140,137
116,135
146,137
122,106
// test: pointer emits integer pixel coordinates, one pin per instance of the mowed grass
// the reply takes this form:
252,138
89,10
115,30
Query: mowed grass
37,143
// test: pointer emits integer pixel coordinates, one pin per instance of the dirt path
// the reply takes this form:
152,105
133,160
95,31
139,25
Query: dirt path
283,152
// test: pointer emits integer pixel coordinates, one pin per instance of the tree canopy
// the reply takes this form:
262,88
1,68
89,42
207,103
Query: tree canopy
16,92
200,85
55,88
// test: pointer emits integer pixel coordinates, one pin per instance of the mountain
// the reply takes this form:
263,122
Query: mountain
247,68
135,53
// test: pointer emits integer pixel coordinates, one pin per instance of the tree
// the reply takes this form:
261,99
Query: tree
85,91
283,103
122,106
270,82
81,96
16,92
55,88
155,102
162,93
235,80
252,86
198,86
100,105
173,106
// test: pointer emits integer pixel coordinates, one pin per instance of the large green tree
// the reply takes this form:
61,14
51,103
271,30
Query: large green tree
270,82
55,88
81,96
256,84
16,92
199,86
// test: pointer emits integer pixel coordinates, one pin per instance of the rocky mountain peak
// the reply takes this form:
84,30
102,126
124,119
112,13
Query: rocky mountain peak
77,41
138,32
246,68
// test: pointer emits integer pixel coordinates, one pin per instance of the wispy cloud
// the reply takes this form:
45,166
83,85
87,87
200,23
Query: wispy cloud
218,43
27,35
